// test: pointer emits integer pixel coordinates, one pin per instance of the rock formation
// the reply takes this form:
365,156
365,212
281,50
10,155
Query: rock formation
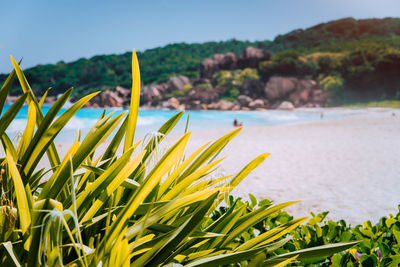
244,100
279,87
251,56
277,92
252,88
298,91
106,99
218,62
258,103
286,105
151,94
205,96
178,83
171,103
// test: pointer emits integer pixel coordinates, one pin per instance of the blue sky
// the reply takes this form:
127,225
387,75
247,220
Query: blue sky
47,31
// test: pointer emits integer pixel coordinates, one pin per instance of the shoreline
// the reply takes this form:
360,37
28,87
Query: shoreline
347,166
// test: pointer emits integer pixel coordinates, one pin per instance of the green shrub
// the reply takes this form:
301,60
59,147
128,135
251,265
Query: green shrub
380,242
224,77
288,63
379,246
204,86
187,87
235,77
326,62
333,84
247,73
233,93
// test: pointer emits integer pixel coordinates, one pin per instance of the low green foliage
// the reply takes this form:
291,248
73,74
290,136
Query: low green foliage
288,63
224,77
247,73
146,207
332,83
327,62
187,87
232,80
235,78
379,246
204,86
380,242
231,94
377,104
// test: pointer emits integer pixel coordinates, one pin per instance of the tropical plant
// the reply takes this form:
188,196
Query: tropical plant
141,208
332,83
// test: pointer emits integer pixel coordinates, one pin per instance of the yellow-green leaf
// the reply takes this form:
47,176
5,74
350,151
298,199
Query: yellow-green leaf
134,105
29,130
23,208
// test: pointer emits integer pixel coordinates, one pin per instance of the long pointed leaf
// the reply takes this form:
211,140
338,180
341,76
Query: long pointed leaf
255,219
311,253
10,114
51,152
210,151
225,259
185,183
24,212
11,253
166,162
248,168
29,130
134,105
55,184
178,170
271,235
112,186
5,89
41,102
183,232
42,142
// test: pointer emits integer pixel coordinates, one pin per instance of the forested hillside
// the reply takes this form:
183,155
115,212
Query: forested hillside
373,40
107,71
343,30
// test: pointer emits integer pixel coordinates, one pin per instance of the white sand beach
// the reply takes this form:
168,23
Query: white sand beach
348,166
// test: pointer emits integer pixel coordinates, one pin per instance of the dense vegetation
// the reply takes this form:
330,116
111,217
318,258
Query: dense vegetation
379,246
353,54
368,69
108,71
343,30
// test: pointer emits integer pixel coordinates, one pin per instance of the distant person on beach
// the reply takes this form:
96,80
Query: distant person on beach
322,115
236,123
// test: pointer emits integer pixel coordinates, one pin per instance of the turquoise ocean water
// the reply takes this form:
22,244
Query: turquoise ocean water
151,120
